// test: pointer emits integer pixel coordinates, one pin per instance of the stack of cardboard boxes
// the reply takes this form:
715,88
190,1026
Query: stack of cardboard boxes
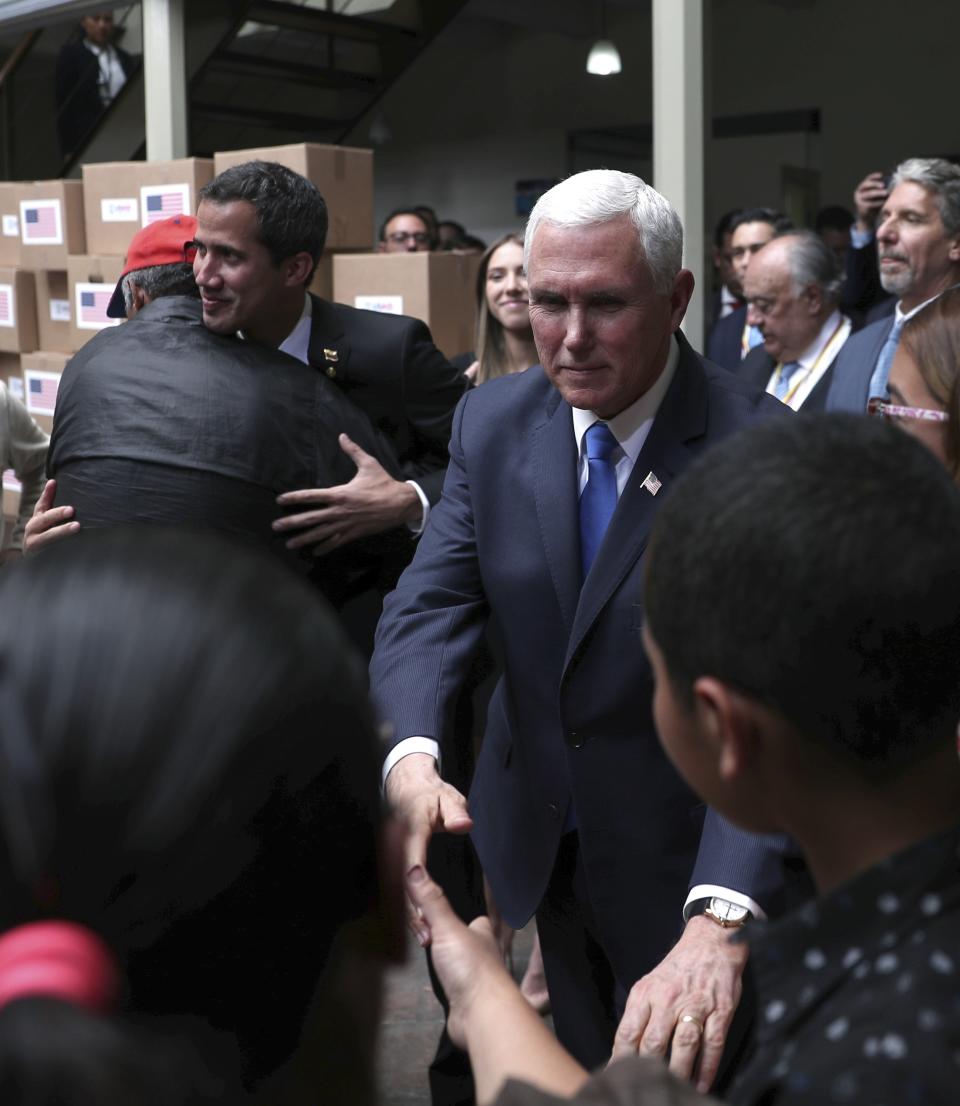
63,244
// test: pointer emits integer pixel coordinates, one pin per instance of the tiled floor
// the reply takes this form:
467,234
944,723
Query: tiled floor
412,1020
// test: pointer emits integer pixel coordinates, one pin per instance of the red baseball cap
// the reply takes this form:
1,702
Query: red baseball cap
165,242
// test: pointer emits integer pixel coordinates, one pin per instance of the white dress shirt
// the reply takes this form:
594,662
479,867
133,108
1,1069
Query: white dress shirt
815,359
112,78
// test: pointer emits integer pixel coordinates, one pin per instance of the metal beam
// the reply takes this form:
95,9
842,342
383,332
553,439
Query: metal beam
678,134
165,79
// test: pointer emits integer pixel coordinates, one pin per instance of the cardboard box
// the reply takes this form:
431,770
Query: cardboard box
9,223
120,197
51,223
322,283
344,175
92,280
53,310
41,373
439,288
18,310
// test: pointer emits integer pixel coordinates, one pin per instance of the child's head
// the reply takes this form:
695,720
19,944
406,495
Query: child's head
805,573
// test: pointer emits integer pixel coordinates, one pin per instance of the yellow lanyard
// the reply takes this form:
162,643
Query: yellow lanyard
802,377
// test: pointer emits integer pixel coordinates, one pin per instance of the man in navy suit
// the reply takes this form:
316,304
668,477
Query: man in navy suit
555,476
793,288
918,244
732,337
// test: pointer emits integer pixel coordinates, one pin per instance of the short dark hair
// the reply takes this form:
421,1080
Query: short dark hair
812,563
290,210
430,229
724,227
776,219
201,775
833,217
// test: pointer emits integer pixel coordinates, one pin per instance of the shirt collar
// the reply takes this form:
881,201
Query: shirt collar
900,316
631,425
816,347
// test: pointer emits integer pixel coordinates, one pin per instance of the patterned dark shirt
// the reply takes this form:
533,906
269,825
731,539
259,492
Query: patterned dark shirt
859,992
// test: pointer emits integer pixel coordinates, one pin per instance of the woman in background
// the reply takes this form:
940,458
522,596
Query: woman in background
504,336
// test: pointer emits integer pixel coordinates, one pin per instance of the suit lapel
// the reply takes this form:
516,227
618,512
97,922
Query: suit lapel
682,418
329,349
556,493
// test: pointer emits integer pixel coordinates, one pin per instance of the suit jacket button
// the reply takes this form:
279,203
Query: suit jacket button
331,372
576,739
554,809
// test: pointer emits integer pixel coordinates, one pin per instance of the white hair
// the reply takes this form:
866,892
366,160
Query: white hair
599,195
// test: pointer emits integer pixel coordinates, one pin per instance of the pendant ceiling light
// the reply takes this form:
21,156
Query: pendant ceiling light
604,58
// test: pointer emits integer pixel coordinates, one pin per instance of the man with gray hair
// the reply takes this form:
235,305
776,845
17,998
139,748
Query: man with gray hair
792,289
918,245
555,476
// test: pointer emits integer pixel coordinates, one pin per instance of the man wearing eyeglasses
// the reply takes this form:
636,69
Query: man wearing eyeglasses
404,231
918,244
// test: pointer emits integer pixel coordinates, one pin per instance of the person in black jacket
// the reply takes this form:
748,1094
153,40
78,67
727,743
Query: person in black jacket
91,70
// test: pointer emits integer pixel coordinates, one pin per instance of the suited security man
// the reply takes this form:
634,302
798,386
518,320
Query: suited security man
792,288
575,812
918,244
261,230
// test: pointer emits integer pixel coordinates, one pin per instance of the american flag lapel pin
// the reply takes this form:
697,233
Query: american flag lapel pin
651,483
331,355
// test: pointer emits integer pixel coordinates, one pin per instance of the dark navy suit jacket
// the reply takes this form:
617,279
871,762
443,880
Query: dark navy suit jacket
571,715
725,344
854,367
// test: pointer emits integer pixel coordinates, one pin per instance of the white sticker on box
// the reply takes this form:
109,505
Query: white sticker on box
59,311
41,223
388,305
15,388
8,305
10,481
161,201
11,226
41,391
123,210
92,301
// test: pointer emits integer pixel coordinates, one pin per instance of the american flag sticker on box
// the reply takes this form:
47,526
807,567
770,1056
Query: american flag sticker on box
91,302
41,389
10,481
41,223
161,201
8,306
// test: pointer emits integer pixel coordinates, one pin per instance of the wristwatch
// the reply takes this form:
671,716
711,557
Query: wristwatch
728,914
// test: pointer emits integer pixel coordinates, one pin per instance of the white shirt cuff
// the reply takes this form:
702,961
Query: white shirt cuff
405,748
424,503
709,890
860,238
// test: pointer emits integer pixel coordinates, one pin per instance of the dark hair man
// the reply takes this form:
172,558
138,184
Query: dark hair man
555,477
729,296
732,338
163,421
405,231
918,244
792,289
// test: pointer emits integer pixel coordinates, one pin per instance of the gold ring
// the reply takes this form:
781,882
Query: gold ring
689,1019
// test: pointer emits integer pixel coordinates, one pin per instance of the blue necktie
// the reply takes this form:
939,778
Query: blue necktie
598,500
754,337
878,382
782,387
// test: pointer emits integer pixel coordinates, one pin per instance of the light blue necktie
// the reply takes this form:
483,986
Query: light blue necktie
782,387
598,500
878,382
754,337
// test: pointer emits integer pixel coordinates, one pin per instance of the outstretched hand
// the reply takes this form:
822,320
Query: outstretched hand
369,504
